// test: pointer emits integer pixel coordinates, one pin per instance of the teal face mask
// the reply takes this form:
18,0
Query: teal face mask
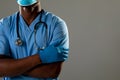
26,2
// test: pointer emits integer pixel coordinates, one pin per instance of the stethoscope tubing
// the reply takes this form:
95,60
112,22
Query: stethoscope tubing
19,41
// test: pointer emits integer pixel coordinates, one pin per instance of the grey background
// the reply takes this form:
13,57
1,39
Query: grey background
94,28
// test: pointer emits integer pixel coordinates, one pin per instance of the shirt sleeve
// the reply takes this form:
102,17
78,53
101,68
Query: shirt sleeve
4,48
59,46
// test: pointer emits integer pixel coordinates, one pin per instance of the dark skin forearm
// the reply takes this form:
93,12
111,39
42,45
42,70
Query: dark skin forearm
45,70
11,67
8,68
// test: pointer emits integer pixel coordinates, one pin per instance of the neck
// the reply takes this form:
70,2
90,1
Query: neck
29,13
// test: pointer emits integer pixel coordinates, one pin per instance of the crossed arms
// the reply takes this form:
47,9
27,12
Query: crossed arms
29,66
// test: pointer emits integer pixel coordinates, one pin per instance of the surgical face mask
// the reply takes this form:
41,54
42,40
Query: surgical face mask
26,2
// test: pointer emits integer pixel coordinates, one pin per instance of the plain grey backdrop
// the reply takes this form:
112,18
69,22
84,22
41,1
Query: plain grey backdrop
94,29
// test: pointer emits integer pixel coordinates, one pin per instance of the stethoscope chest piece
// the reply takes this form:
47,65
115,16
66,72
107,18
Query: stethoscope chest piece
18,42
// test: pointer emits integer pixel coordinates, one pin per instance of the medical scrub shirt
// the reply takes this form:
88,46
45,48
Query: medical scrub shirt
57,35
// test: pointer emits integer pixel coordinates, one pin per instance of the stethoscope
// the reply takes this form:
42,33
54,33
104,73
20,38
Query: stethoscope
19,41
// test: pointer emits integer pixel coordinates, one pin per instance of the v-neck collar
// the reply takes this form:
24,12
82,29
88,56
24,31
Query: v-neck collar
31,26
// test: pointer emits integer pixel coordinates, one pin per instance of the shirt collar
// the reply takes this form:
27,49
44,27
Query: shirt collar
31,26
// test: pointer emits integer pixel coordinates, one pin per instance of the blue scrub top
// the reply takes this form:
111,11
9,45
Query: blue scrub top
57,36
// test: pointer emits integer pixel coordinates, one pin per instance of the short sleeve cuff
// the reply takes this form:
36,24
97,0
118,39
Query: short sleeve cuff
52,54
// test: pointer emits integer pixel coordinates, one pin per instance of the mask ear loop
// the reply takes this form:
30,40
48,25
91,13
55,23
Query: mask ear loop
18,41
